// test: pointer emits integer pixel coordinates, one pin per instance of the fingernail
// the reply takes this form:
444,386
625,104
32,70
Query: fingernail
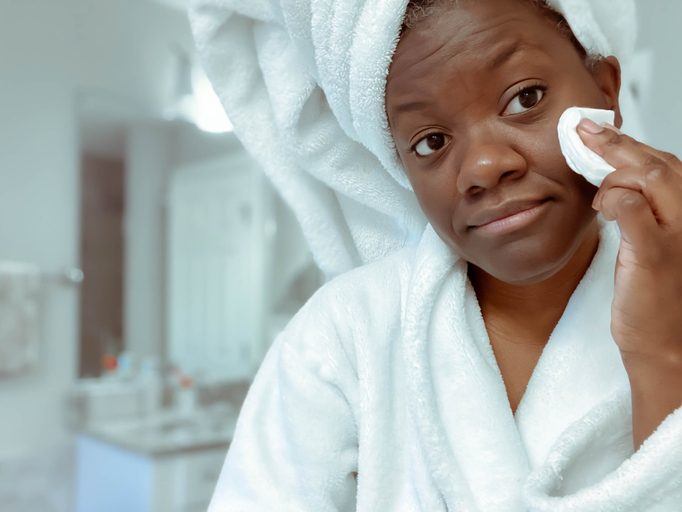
590,126
595,203
611,127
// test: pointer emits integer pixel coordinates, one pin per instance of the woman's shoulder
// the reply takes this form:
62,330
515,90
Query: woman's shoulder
364,303
379,284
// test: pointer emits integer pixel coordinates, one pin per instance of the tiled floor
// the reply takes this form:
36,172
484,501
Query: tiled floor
41,483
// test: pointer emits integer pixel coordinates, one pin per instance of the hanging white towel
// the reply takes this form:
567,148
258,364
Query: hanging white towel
19,316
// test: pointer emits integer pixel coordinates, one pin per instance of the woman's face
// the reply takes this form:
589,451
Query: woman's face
473,97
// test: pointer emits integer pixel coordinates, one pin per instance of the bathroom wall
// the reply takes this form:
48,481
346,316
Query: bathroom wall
147,159
662,112
52,51
39,203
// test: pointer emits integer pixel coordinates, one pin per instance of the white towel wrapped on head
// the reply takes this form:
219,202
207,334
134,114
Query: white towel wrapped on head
299,81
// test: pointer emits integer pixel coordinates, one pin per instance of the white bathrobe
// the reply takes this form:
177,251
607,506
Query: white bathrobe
371,400
383,394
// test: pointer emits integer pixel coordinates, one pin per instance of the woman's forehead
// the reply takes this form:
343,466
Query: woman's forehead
471,41
485,30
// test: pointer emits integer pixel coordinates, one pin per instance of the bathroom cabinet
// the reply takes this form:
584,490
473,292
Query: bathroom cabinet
136,469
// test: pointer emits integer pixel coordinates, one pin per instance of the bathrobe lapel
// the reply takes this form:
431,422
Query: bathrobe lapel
581,364
478,452
455,393
472,402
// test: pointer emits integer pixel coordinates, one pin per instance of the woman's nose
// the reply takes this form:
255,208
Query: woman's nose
488,163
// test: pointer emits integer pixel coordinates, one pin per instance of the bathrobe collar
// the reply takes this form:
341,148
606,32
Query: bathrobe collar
477,450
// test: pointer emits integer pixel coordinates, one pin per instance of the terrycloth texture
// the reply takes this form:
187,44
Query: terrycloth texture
579,157
303,83
388,373
19,310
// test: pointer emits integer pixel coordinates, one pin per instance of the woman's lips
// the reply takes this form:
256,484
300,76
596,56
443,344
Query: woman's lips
509,217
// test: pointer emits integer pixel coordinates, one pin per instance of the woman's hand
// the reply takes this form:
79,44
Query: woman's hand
644,196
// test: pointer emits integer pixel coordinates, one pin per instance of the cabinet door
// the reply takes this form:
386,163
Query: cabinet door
186,482
203,470
214,273
111,479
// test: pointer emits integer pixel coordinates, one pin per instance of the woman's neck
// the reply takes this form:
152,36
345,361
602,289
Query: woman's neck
528,313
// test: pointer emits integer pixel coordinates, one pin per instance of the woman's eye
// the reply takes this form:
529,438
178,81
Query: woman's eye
430,144
525,100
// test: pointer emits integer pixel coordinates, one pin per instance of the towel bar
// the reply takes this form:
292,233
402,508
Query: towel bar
67,275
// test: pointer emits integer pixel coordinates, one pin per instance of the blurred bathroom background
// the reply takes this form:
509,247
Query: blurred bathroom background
146,264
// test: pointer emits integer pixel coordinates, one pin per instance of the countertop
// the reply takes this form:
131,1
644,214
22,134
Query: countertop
168,433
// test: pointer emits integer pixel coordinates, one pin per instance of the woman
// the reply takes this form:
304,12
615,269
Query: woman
493,364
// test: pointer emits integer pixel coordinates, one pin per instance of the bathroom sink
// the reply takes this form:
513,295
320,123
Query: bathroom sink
168,432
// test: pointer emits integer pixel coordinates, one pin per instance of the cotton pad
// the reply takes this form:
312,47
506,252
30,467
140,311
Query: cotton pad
582,160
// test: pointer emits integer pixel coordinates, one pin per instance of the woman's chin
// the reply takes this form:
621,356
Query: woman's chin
531,263
522,272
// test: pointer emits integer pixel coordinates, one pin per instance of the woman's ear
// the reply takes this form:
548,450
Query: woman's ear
607,75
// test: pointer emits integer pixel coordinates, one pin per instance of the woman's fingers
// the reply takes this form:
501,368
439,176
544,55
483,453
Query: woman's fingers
661,187
622,151
655,174
634,216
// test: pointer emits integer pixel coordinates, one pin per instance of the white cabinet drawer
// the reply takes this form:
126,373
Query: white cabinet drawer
185,482
197,507
203,470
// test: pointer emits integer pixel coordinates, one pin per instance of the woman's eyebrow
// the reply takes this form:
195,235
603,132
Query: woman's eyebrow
410,107
508,52
500,59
